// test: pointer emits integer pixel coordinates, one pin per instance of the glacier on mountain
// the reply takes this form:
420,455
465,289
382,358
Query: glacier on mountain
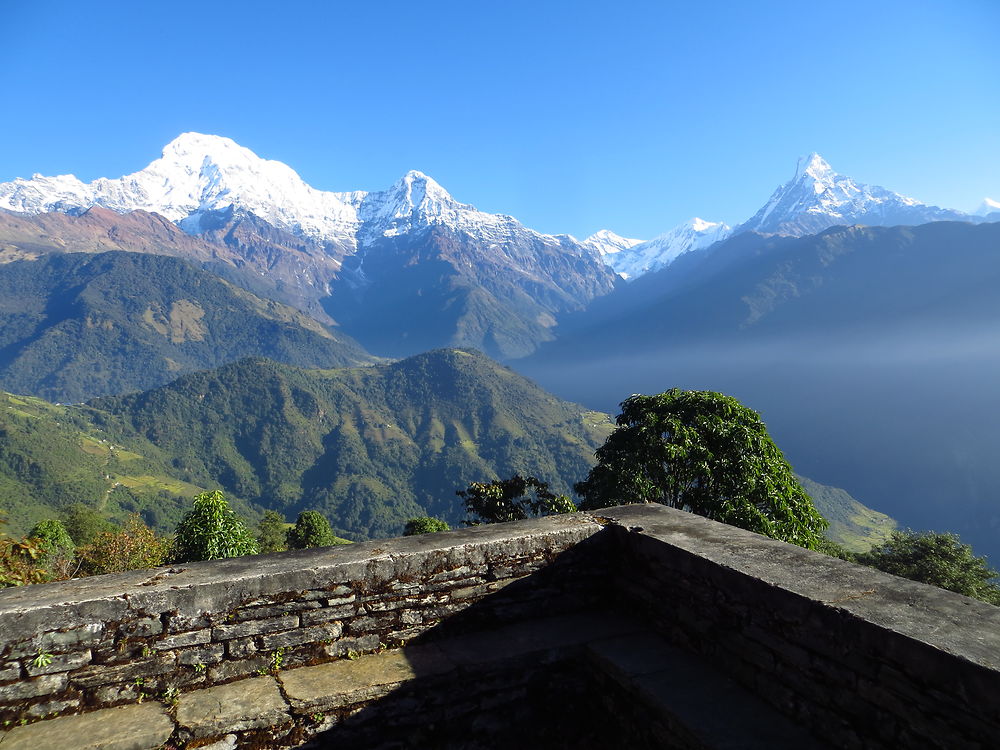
605,242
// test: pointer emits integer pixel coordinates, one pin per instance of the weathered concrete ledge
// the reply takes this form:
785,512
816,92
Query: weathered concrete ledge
861,658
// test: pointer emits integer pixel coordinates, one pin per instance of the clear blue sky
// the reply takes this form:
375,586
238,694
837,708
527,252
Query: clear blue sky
571,116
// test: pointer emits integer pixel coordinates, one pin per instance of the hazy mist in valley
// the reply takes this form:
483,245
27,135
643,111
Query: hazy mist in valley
909,422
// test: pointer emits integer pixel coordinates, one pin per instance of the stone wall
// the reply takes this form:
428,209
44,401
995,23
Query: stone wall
861,658
109,640
867,659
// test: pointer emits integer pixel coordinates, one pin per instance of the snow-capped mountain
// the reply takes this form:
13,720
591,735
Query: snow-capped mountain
817,198
605,243
195,175
501,284
662,250
199,175
987,208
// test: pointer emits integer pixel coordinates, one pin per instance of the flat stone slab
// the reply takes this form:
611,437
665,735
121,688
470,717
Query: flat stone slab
235,707
371,676
144,726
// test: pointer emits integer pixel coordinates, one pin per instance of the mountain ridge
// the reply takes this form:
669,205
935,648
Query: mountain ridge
74,326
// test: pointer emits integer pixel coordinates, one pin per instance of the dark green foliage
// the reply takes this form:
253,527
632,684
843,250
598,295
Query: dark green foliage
511,499
53,538
706,453
938,559
211,531
272,534
77,326
424,525
311,530
84,523
59,555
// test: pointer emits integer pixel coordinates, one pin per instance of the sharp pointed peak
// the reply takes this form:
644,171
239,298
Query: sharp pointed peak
812,165
702,225
416,187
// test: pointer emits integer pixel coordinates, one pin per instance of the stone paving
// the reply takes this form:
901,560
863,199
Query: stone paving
686,695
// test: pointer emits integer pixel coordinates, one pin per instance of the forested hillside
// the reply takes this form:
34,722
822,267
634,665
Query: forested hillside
77,326
369,447
53,457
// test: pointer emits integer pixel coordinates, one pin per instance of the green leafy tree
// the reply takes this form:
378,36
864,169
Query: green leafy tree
511,500
211,530
53,537
424,525
938,559
59,550
311,530
272,534
707,453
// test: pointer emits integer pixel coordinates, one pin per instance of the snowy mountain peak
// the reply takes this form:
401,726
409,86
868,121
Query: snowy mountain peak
606,242
987,207
814,166
197,174
662,250
202,145
817,197
418,192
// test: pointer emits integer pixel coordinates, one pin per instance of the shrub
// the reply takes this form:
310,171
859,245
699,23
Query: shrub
211,530
311,530
424,525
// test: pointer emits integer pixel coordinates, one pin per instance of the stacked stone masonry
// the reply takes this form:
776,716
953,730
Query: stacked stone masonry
112,640
860,658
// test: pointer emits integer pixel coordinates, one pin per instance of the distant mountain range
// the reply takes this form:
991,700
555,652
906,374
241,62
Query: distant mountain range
834,302
403,269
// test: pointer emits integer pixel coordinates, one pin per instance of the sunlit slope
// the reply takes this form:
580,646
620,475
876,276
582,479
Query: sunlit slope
52,457
853,525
